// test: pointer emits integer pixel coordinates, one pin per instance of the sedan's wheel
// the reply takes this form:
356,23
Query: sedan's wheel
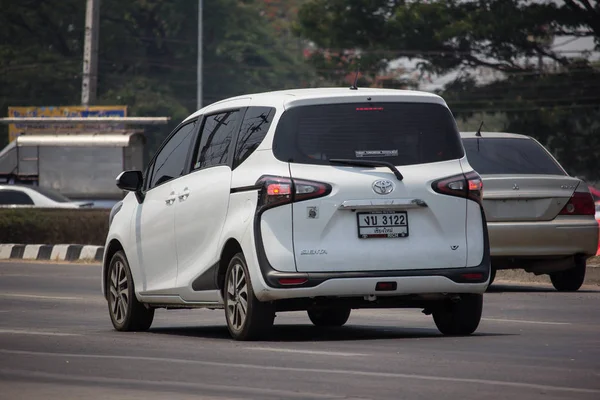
571,279
126,312
247,318
327,317
461,317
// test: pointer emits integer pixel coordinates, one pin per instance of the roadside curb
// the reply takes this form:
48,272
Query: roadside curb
53,252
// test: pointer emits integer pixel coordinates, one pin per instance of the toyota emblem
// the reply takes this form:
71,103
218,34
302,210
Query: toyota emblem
383,186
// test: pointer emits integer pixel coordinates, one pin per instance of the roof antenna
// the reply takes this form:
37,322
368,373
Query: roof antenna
354,87
478,135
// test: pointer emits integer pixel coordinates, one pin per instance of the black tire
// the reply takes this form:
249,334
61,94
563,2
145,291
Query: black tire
571,279
459,318
126,312
259,316
329,317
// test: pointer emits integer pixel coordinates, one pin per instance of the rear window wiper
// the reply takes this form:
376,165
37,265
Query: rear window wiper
368,164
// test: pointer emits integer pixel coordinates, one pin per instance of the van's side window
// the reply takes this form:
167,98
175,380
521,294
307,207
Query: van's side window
170,161
252,132
215,140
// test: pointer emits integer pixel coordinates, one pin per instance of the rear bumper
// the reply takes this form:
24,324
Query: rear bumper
362,283
563,236
365,286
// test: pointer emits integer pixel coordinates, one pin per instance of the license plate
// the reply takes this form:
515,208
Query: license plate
389,224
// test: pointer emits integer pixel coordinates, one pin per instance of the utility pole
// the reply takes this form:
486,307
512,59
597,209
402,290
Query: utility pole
199,65
90,53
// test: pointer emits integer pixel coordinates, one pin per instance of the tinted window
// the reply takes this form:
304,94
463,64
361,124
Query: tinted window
170,161
510,156
51,194
400,133
11,197
254,127
215,141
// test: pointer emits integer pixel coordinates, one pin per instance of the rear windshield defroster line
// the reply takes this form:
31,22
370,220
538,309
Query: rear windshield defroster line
397,133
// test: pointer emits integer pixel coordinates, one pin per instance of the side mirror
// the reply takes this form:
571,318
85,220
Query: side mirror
131,181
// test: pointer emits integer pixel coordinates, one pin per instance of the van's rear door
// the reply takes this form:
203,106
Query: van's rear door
371,220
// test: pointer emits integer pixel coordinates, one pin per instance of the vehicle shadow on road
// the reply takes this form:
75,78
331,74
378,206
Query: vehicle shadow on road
309,333
523,288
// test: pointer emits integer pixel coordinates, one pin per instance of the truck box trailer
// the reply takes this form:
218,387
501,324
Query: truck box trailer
81,166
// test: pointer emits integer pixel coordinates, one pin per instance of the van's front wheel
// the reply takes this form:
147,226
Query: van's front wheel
247,318
461,317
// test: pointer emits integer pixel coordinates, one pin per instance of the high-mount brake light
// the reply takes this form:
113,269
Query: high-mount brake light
581,203
469,186
277,190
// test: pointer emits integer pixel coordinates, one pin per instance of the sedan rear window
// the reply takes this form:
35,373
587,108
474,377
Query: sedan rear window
51,194
495,156
399,133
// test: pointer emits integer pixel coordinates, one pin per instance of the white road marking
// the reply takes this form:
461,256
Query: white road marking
311,352
524,321
229,366
35,296
30,332
243,391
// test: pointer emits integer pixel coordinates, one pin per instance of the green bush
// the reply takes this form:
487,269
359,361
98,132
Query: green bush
53,226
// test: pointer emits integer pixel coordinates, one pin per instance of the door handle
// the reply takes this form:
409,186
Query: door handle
171,199
183,196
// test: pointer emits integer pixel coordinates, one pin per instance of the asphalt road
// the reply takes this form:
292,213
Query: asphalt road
56,342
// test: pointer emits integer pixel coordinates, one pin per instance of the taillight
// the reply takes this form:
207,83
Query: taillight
276,191
581,203
469,186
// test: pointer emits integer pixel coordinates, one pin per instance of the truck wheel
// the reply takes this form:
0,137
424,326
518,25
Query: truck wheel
571,279
126,312
459,318
247,318
329,317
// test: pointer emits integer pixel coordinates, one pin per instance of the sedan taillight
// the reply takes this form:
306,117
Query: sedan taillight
581,203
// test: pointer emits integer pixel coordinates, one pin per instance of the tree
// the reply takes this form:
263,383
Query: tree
147,54
449,34
558,104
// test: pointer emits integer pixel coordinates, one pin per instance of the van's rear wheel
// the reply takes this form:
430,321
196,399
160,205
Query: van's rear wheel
247,318
459,318
328,317
571,279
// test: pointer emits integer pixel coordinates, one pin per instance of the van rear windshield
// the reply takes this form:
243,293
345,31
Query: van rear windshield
400,133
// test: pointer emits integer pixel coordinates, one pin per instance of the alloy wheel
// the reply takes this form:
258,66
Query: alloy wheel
237,297
119,292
